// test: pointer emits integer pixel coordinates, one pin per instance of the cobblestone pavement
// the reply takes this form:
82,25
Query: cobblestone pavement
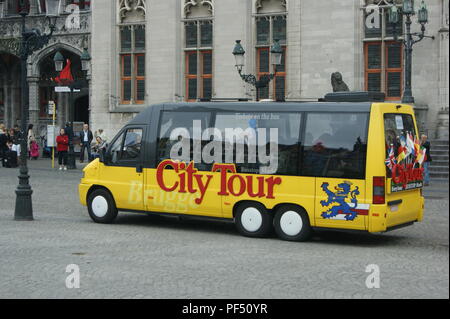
155,257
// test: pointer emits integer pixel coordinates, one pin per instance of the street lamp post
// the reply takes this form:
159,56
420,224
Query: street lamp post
409,38
276,56
31,41
59,64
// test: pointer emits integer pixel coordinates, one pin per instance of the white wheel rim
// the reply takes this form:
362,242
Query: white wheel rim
99,206
251,219
291,223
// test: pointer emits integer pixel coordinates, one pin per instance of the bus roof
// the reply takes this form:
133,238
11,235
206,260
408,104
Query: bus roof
243,107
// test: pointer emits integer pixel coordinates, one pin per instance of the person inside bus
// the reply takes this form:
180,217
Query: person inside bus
314,159
132,147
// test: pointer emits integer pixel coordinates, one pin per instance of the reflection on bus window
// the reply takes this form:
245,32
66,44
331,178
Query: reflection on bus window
116,148
287,126
127,146
176,120
335,145
132,145
397,127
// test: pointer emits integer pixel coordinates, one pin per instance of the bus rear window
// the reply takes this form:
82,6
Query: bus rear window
398,129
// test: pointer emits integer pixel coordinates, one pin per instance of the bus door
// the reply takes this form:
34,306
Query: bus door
123,172
334,153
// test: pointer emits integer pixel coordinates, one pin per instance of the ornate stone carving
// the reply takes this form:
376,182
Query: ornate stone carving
11,46
126,6
12,28
383,2
260,3
188,4
76,38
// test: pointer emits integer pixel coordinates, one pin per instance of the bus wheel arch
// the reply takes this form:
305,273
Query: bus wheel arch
252,219
101,205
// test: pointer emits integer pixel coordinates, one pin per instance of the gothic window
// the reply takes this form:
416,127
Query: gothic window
198,51
83,4
271,25
13,6
383,55
132,43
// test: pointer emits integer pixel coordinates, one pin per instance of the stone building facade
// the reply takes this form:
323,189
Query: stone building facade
151,51
70,38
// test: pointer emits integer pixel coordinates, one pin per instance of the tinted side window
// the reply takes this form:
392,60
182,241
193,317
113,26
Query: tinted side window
116,149
181,124
396,126
132,145
252,138
127,147
335,145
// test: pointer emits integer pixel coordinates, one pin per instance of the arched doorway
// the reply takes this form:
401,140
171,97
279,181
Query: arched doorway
75,107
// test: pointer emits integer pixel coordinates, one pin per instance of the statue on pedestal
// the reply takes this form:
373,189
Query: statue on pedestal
338,83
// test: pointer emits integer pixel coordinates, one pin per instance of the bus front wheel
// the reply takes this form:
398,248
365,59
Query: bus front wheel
292,223
253,220
101,206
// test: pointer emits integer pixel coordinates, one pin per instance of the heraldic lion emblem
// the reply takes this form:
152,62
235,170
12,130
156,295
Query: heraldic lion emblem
337,200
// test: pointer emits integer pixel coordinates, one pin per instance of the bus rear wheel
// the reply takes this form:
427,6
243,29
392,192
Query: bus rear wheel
101,206
292,223
253,220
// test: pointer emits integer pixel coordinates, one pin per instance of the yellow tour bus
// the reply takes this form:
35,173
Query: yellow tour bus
287,167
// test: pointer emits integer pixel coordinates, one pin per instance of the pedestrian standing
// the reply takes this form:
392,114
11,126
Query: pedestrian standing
426,165
12,136
3,141
31,137
34,149
62,146
86,138
69,131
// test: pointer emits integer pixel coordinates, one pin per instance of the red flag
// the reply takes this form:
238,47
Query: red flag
65,76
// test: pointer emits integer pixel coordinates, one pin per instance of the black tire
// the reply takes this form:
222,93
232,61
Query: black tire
292,223
253,220
102,207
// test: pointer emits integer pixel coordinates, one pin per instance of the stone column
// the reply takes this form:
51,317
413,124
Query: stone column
33,88
13,105
293,67
66,107
6,101
88,80
60,106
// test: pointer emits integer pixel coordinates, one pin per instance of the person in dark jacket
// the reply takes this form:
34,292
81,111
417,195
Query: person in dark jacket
426,165
86,138
69,131
3,141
